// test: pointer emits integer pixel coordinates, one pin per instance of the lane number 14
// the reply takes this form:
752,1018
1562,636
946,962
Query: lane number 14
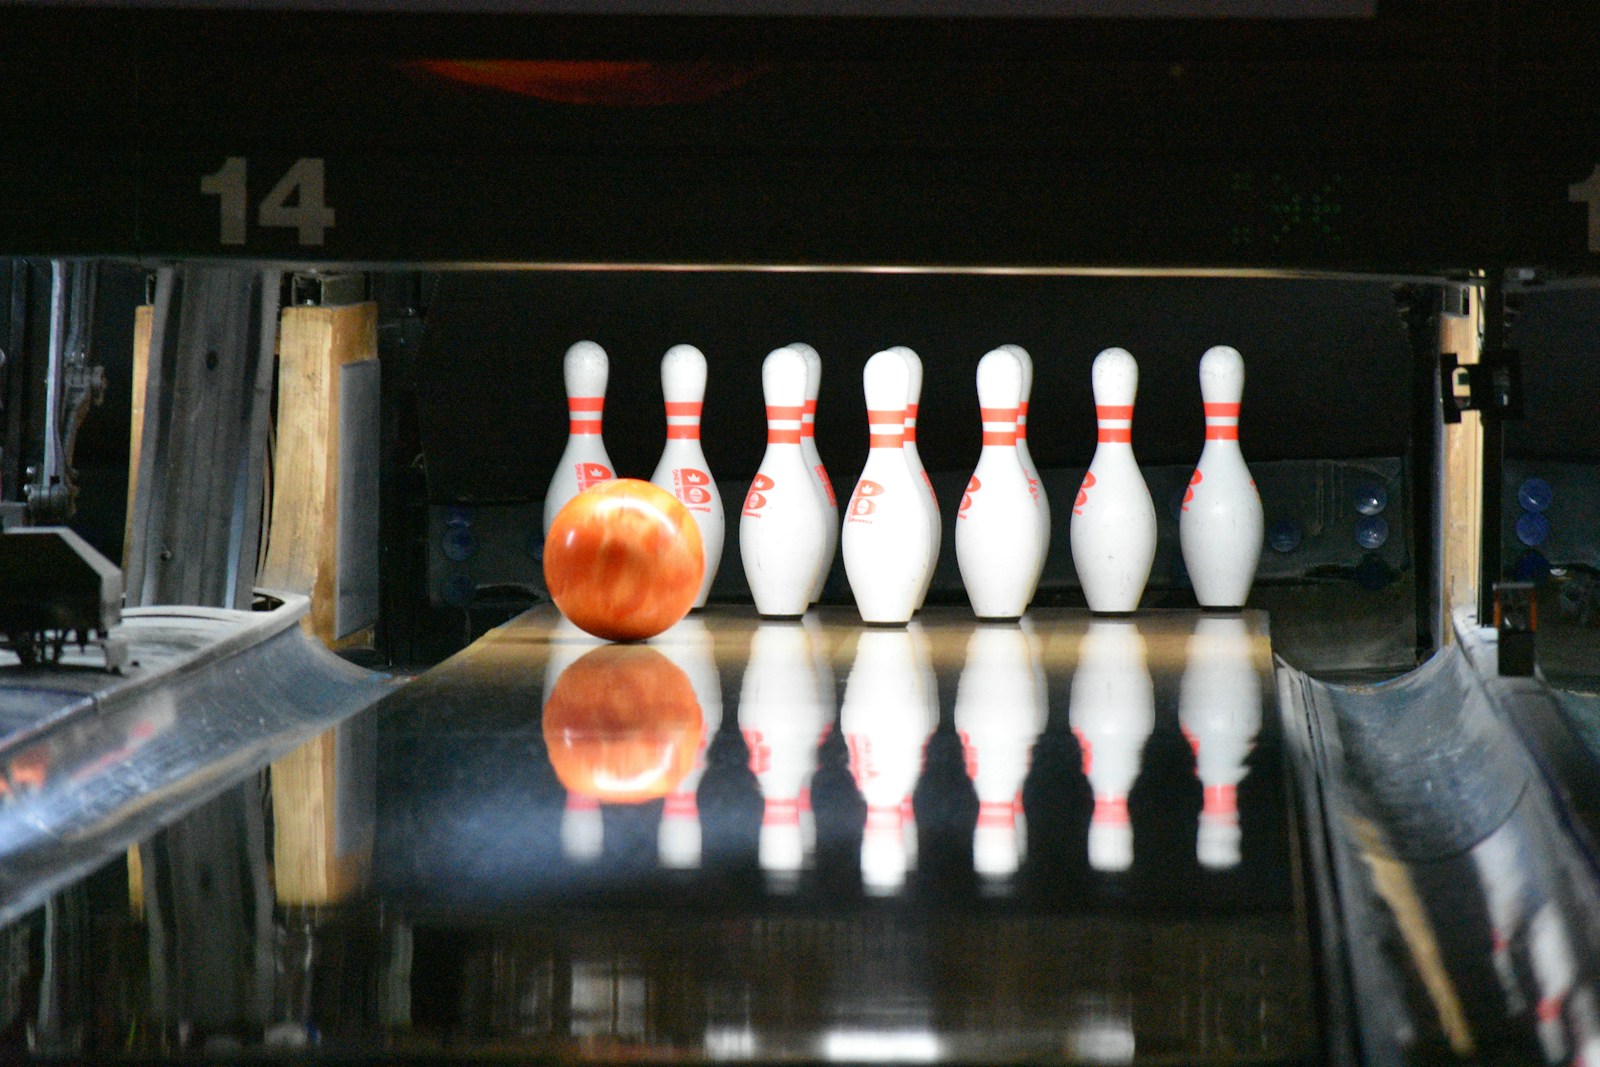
297,202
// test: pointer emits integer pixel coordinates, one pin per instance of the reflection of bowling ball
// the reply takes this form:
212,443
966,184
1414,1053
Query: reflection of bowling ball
622,725
624,560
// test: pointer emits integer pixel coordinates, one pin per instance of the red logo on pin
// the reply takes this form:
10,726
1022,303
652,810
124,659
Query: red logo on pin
592,474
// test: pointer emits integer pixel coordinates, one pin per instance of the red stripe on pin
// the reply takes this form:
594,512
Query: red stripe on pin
586,403
584,426
1222,411
785,413
895,417
683,433
684,407
1113,411
1222,433
998,414
886,440
811,407
999,437
1122,435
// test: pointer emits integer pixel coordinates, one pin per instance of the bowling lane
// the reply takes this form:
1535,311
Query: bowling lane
1069,839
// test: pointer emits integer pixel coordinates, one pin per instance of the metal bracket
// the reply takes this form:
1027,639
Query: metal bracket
325,290
1492,386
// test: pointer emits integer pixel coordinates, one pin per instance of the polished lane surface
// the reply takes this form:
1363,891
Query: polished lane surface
1069,840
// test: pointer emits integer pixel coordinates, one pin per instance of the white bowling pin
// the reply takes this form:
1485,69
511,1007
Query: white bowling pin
1112,714
887,542
1555,969
1503,872
997,527
782,712
999,712
808,445
1035,484
584,461
884,719
1220,524
783,528
682,470
1113,519
689,645
1219,712
919,473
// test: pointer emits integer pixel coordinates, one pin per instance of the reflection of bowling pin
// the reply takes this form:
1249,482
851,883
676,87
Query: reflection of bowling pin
885,723
582,827
682,470
783,529
1113,520
1035,485
1555,969
584,461
999,713
1503,872
782,712
919,473
1220,524
1219,711
887,539
689,645
1112,714
808,446
997,526
823,657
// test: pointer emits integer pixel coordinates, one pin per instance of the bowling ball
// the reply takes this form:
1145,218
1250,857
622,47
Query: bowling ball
622,724
623,560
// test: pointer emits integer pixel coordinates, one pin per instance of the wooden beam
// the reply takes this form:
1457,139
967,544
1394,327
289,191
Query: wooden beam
143,317
1461,475
322,841
315,344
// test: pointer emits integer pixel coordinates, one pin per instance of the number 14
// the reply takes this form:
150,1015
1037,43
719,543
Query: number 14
309,215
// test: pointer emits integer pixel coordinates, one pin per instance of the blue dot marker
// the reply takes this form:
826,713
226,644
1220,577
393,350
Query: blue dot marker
1372,531
1371,498
1533,528
458,544
458,590
1285,535
1535,494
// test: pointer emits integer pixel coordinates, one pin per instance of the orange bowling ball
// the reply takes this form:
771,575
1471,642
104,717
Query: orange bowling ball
622,724
623,560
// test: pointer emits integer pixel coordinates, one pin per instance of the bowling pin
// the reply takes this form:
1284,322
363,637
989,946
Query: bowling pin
1555,969
1220,524
1502,868
783,528
1112,714
919,473
682,470
689,645
997,527
887,540
1113,519
999,713
884,719
782,713
808,446
584,461
1219,712
1024,454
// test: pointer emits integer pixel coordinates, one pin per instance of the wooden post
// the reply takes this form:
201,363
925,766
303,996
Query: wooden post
143,317
326,449
1461,473
318,347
